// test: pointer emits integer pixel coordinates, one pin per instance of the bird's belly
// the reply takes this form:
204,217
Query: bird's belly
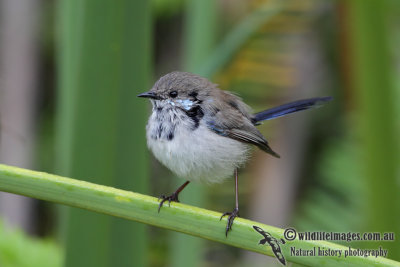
200,154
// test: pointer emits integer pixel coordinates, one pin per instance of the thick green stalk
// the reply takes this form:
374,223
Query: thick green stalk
200,32
373,72
178,217
104,54
199,37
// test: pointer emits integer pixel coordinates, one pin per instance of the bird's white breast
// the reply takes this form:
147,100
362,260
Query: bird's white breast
195,154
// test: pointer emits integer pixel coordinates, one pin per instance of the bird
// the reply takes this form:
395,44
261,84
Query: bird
205,134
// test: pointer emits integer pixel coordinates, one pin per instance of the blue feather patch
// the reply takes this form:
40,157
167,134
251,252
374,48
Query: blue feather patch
290,108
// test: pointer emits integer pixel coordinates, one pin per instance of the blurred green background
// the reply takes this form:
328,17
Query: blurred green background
70,71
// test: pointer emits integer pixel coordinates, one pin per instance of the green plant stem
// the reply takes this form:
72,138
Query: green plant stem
178,217
376,102
198,40
104,62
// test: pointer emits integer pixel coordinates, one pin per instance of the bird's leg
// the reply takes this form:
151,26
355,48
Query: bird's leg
172,197
235,212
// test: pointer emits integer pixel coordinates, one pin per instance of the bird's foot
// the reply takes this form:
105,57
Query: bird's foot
232,216
172,197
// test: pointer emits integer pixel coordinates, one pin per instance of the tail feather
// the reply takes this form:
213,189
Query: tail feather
290,108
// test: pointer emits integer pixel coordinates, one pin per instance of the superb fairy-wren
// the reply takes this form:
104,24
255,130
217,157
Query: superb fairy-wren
202,133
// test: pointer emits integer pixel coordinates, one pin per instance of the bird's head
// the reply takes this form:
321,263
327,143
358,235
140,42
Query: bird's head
179,89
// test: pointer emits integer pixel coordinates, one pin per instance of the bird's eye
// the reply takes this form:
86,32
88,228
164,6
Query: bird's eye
173,94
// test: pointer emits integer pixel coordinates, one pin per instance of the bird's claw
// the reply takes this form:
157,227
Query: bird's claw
232,216
172,197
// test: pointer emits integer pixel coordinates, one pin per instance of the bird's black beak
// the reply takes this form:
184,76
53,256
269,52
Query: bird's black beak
149,95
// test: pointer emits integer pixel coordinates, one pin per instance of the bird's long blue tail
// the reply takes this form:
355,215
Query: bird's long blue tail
288,108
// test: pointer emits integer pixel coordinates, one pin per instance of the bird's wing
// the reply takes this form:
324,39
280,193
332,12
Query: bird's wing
230,118
249,134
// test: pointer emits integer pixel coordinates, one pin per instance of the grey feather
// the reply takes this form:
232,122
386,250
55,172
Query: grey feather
234,120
